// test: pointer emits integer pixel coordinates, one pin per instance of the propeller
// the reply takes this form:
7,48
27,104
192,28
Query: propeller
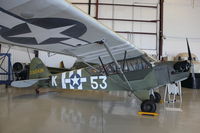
189,52
191,63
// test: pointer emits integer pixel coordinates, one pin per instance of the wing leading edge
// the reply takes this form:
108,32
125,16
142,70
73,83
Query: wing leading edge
57,26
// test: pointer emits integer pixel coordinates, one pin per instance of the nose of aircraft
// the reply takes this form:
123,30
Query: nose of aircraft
182,66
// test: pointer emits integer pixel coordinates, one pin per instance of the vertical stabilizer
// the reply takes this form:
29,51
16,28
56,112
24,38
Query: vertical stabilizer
38,69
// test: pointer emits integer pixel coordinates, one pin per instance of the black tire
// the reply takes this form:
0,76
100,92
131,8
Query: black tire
148,106
157,97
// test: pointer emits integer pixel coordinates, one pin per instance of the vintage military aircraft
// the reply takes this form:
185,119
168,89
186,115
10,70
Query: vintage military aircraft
59,27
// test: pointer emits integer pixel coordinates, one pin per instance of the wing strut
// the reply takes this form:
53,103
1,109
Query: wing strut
115,61
103,66
124,62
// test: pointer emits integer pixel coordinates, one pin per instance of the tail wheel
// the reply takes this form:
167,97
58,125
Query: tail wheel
148,106
37,91
157,97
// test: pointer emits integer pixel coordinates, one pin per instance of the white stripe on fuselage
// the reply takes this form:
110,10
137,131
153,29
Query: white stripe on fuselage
75,81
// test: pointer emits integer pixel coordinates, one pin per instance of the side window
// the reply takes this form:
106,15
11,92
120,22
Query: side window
127,66
136,64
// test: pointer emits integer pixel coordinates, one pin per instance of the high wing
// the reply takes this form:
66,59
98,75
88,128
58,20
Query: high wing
59,27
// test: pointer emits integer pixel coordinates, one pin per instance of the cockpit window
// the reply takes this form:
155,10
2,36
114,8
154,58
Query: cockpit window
126,66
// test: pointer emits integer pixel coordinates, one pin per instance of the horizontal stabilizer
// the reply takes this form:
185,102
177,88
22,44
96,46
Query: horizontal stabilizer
26,83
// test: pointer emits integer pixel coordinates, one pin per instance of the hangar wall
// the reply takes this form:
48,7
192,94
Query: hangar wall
181,21
18,54
135,20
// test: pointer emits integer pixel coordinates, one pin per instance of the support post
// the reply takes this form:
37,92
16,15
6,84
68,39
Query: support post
9,68
89,7
36,53
161,28
97,9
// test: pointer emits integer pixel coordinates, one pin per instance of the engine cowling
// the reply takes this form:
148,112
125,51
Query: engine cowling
182,66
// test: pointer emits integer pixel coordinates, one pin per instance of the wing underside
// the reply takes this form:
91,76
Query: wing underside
57,26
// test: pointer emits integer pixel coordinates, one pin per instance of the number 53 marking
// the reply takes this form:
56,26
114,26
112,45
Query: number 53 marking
95,85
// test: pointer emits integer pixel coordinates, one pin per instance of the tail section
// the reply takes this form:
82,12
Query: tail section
38,69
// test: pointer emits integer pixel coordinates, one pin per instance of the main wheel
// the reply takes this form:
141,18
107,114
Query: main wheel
148,106
157,97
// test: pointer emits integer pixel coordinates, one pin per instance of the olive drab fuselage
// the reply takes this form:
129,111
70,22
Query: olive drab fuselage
140,80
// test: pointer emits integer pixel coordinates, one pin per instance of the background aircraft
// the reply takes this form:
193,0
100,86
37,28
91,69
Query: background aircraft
59,27
194,78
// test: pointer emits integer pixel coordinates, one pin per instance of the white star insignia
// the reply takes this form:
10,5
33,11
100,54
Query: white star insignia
75,80
42,34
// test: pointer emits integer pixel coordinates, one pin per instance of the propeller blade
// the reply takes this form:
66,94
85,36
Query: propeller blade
192,65
189,52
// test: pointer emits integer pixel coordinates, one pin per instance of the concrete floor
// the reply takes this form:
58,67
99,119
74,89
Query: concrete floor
21,111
